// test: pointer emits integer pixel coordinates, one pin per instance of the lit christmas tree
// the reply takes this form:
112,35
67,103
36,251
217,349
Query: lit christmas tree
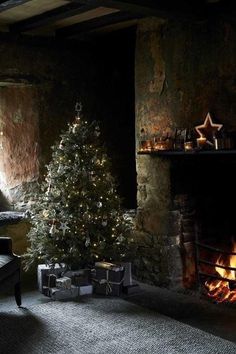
77,217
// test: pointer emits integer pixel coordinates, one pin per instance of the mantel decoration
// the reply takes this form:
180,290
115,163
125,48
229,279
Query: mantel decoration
207,132
206,136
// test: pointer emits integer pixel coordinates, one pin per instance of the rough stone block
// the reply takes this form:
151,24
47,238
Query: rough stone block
174,223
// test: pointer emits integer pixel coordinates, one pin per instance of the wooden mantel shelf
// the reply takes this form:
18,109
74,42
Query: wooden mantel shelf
170,153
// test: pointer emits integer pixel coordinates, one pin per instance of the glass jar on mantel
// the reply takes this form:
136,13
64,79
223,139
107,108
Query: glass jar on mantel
163,143
186,141
157,144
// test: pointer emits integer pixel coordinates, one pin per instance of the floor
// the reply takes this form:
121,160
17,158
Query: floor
219,320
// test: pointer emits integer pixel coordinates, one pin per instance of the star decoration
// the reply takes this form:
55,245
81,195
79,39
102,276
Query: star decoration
64,227
208,129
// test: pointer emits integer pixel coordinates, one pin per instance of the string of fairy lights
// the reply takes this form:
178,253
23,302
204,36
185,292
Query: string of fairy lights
77,215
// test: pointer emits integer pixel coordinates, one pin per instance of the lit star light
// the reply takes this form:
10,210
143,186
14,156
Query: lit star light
208,129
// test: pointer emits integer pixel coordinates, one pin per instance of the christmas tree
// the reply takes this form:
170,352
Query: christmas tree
77,217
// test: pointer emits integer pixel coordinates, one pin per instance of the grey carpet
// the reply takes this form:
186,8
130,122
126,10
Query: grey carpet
101,326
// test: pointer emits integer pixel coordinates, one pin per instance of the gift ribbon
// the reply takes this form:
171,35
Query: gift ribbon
49,279
108,282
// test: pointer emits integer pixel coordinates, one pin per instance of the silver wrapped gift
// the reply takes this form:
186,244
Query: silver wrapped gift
43,273
63,294
79,277
85,290
63,283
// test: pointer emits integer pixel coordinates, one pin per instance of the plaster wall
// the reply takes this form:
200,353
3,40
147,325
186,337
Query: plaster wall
33,114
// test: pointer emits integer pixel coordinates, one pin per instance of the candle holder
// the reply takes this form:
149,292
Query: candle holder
146,145
201,142
161,144
188,146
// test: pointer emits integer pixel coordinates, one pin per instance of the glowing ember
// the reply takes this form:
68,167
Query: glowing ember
221,290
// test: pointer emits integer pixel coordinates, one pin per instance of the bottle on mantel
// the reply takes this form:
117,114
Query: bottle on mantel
189,140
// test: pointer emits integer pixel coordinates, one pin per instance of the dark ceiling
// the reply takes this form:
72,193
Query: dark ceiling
78,18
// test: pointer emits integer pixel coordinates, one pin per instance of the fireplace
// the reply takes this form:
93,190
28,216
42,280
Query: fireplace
193,226
203,194
216,270
190,211
185,197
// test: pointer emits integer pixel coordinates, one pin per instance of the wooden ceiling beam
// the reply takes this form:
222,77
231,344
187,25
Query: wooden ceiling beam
50,17
162,9
94,24
18,80
135,7
9,4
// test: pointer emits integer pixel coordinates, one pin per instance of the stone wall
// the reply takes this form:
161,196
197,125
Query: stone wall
183,71
32,114
20,139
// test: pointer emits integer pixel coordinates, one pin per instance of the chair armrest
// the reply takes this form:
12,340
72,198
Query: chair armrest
5,245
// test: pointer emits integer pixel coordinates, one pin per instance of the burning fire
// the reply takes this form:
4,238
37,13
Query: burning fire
224,290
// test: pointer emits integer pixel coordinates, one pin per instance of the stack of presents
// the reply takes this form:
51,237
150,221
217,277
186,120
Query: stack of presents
105,279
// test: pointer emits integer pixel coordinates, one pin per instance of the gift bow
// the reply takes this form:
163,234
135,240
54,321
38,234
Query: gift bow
108,282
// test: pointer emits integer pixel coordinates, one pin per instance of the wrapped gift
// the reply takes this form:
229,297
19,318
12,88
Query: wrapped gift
85,290
63,283
52,280
110,266
129,286
43,274
131,289
63,294
127,273
108,279
79,277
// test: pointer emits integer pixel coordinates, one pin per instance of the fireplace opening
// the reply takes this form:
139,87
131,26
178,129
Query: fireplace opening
204,192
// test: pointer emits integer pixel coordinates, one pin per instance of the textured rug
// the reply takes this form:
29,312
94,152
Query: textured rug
101,326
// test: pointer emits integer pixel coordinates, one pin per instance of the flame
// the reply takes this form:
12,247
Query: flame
220,290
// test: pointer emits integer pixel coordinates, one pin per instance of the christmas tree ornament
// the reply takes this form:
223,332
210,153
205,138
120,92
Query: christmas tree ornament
48,189
75,126
87,241
53,229
45,214
64,227
27,214
99,204
78,109
60,169
62,144
120,238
